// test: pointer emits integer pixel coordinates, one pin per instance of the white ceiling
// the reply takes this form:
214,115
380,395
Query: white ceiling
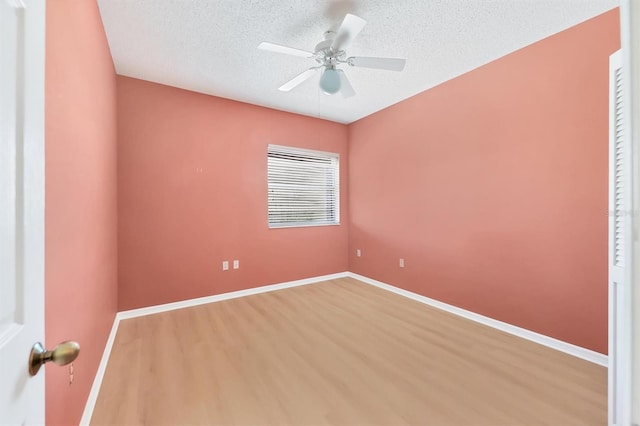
209,46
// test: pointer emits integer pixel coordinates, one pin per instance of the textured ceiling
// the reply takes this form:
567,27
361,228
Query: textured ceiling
209,46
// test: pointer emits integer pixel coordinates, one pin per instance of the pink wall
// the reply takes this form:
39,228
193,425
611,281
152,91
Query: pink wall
192,192
80,210
493,188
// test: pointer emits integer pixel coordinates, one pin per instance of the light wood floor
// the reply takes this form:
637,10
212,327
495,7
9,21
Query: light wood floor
342,353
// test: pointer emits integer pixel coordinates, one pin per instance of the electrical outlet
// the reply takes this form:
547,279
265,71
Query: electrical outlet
358,253
402,263
236,264
225,265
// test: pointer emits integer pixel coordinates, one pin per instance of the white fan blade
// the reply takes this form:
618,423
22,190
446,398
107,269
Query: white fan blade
350,28
390,64
272,47
345,87
295,81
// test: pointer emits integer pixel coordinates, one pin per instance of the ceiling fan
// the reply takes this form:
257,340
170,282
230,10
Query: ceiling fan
330,53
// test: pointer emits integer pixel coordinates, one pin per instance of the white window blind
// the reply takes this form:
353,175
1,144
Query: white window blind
304,187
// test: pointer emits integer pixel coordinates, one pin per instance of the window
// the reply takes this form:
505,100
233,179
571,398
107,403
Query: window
304,187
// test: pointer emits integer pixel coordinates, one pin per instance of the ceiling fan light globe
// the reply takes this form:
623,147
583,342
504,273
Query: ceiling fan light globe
330,81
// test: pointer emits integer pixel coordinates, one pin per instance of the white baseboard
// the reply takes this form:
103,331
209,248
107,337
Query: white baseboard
225,296
97,381
550,342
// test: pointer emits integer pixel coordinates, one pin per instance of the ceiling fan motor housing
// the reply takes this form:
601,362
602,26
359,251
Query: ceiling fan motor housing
325,55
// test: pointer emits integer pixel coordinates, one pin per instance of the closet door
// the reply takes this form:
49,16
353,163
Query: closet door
620,248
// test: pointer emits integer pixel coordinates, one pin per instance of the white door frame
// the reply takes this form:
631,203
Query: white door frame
628,390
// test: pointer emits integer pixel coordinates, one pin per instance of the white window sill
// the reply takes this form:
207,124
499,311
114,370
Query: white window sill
302,225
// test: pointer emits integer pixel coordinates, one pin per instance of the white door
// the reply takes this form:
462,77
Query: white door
620,247
22,32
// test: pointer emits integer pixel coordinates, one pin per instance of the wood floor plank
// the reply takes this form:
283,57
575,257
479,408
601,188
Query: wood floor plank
339,352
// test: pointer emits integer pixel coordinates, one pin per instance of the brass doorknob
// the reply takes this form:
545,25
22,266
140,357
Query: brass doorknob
62,354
